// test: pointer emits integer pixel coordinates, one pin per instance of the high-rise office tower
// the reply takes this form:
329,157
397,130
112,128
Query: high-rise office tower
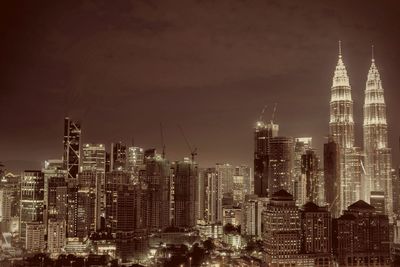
113,180
301,144
32,199
238,189
88,203
225,173
263,132
332,176
361,237
93,158
210,196
72,209
280,164
126,215
72,147
158,178
377,200
125,204
310,175
282,228
248,181
252,216
341,128
34,242
53,171
118,156
185,181
378,158
57,196
56,236
135,158
316,230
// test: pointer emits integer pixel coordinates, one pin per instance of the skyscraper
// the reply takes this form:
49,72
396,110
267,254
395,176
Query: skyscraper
72,147
341,128
316,230
378,159
310,175
280,164
157,177
301,144
93,158
210,196
361,237
118,156
341,124
225,173
282,229
32,199
185,181
332,177
263,132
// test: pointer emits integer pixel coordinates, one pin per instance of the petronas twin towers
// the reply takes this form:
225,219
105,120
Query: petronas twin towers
363,173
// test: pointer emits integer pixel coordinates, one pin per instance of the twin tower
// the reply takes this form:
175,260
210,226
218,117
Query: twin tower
363,173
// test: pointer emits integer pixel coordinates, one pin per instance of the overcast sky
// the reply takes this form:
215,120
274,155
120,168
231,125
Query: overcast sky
122,67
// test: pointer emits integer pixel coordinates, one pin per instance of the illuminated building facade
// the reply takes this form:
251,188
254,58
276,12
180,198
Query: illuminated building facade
252,216
72,147
310,175
94,158
210,196
280,168
32,199
361,237
341,128
282,227
301,145
56,238
316,227
263,132
118,156
157,176
185,185
378,158
225,173
332,176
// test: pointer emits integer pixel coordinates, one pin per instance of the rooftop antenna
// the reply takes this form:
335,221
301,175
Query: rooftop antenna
162,140
373,56
273,113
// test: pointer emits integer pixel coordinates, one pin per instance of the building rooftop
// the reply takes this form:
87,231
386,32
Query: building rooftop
282,195
361,205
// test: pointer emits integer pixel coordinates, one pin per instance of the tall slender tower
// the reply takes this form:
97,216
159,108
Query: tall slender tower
341,127
377,154
341,124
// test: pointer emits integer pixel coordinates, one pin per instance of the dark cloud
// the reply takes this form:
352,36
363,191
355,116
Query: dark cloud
123,66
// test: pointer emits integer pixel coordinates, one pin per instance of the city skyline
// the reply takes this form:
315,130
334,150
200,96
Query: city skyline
56,71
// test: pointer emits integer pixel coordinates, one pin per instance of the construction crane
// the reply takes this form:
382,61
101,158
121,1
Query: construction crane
193,151
262,113
273,113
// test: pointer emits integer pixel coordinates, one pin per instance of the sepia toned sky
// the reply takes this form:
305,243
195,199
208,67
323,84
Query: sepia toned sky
122,67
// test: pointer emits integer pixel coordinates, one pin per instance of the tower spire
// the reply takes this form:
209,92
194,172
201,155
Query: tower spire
373,56
340,49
